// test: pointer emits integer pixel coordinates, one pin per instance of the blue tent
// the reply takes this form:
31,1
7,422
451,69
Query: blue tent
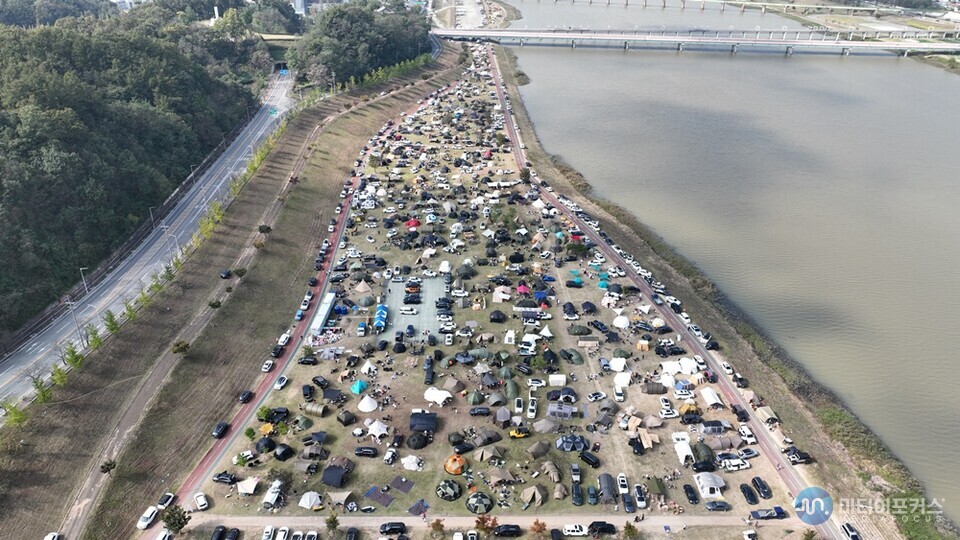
683,384
594,265
574,272
539,295
359,387
603,275
602,284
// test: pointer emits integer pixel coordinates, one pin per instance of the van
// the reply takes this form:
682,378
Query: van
590,459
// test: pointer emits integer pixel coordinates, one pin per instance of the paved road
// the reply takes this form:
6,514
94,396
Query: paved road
771,449
38,355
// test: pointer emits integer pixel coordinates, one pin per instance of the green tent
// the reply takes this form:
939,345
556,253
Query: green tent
481,353
620,353
578,330
505,373
574,357
475,398
510,389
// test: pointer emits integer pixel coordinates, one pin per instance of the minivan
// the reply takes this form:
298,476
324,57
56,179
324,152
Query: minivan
590,459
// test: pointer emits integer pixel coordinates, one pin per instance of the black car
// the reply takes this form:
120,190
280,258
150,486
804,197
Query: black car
577,494
393,527
353,533
337,278
691,494
366,451
277,351
508,530
463,448
312,281
740,381
245,396
219,430
382,345
742,414
308,361
411,299
524,368
637,446
748,494
574,284
410,331
225,477
762,488
428,377
397,439
555,534
218,533
601,527
226,274
320,381
599,325
592,496
691,419
703,466
307,392
234,534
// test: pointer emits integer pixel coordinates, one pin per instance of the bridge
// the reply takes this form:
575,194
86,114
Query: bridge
845,42
742,5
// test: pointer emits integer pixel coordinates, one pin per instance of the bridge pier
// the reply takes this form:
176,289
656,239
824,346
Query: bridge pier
664,4
626,45
734,48
679,47
763,10
845,51
702,5
723,7
573,44
789,51
743,7
683,5
906,53
521,42
644,3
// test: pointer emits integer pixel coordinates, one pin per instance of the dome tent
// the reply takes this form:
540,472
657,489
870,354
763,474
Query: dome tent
449,490
479,503
455,464
416,441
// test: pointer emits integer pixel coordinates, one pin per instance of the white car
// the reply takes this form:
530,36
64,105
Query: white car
415,279
727,368
165,501
683,394
448,326
685,318
305,305
532,408
596,396
458,535
701,363
285,338
665,403
267,366
281,383
200,500
370,239
459,293
622,486
747,434
574,530
668,413
472,535
406,310
618,394
430,273
283,533
570,316
268,533
536,383
736,464
53,536
165,535
518,405
147,518
444,318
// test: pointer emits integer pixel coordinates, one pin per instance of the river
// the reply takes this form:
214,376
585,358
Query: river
817,191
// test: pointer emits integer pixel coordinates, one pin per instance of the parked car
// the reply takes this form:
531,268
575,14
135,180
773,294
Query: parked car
480,411
200,501
748,494
691,494
512,531
592,495
165,501
601,527
718,506
393,527
220,429
146,519
225,477
763,489
576,494
574,530
366,451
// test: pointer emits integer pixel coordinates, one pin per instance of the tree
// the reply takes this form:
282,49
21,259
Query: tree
263,413
180,347
630,532
240,272
809,534
265,229
231,25
437,527
250,433
175,518
242,460
108,466
307,350
93,337
72,357
332,522
110,322
14,414
58,376
43,392
482,523
538,528
525,174
129,311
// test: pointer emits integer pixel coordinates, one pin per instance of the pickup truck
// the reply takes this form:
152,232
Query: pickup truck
769,513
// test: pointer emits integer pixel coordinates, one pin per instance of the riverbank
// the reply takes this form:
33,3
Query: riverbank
853,461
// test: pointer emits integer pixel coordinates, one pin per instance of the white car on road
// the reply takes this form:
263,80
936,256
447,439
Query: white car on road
147,518
727,368
281,383
574,530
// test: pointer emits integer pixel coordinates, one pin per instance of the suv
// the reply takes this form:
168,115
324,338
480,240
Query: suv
575,471
393,527
590,459
508,530
601,527
220,429
480,411
366,451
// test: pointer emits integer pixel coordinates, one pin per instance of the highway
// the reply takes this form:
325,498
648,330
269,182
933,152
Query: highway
170,235
770,448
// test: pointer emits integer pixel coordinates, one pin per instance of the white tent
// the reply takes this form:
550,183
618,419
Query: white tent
618,364
480,369
621,322
710,396
657,322
435,395
688,366
546,332
709,485
367,404
248,486
310,500
378,429
622,379
368,368
668,380
684,452
412,463
444,267
272,495
645,308
427,253
510,338
670,367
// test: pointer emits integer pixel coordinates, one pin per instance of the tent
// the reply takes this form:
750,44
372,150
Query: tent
510,389
578,330
618,364
561,411
272,496
711,398
453,385
485,454
709,485
412,463
608,488
417,441
538,449
559,491
311,501
339,497
652,422
572,443
265,444
423,421
505,372
534,494
545,425
486,436
367,404
449,490
502,417
479,503
608,405
283,452
363,287
475,398
683,384
346,418
496,398
623,379
497,317
622,353
455,464
334,476
550,469
501,476
621,322
358,386
366,301
653,388
688,407
368,368
435,395
378,429
248,486
766,415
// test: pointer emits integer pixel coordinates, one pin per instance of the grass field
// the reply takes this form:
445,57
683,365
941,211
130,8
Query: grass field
224,359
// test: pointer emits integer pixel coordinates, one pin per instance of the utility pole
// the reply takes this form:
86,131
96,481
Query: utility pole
86,290
153,222
80,336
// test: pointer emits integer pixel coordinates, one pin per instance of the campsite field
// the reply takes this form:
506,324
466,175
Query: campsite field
406,385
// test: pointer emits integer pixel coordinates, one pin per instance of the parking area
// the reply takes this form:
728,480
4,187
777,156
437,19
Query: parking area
431,289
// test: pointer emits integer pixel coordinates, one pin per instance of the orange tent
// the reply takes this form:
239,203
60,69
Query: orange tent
455,464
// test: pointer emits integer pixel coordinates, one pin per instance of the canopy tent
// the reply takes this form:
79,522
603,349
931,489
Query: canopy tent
359,386
449,490
334,476
339,497
545,425
412,463
378,429
618,364
534,494
435,395
479,503
248,486
367,404
311,501
455,464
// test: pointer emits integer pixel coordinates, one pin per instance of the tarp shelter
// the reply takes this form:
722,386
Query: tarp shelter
479,503
334,476
688,407
652,422
711,398
684,452
534,495
449,490
550,469
766,415
545,425
423,421
368,368
435,395
608,488
453,385
311,501
339,497
272,496
653,388
455,464
412,463
247,486
501,476
623,379
359,386
367,404
709,485
538,449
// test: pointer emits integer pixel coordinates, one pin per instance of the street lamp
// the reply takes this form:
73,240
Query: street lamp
153,222
86,290
70,305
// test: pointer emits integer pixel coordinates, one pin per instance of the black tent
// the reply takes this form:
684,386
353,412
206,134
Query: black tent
589,307
417,441
265,444
497,316
423,422
334,476
399,348
346,418
283,452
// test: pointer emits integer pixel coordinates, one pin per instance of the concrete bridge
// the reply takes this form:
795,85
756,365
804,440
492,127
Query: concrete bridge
743,5
901,42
